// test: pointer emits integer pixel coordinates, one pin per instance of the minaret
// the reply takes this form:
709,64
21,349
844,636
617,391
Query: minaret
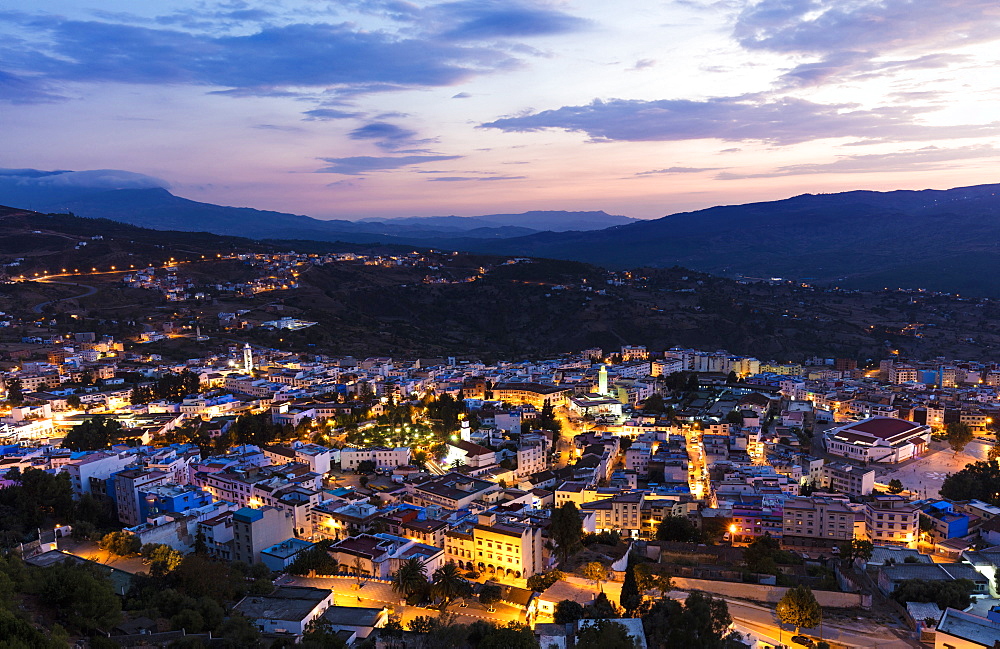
602,380
247,358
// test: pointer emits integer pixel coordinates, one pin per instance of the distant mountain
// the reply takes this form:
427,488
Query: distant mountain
535,220
947,240
146,201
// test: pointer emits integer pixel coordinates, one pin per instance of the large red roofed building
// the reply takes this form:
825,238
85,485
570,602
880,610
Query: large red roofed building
883,440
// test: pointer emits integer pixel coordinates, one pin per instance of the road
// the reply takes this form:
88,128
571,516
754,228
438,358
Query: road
90,291
377,594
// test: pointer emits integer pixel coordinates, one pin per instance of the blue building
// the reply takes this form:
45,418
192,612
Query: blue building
161,499
943,522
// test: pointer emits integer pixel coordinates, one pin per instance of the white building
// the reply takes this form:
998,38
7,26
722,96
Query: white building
879,439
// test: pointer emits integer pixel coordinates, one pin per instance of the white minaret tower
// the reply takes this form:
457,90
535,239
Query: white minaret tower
247,358
602,380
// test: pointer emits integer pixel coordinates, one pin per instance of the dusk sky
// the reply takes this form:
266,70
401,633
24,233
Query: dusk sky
391,108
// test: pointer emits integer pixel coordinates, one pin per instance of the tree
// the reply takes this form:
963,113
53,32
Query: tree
602,607
320,634
979,480
422,624
958,435
448,584
542,581
678,529
734,417
73,401
566,531
604,634
568,611
162,558
759,556
15,393
895,486
799,608
120,543
411,578
366,466
732,378
856,549
490,594
83,599
631,597
596,572
94,434
956,593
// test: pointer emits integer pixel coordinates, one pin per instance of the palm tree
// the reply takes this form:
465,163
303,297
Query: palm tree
410,578
448,584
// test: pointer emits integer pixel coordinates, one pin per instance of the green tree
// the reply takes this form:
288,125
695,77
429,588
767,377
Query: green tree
422,624
490,594
94,434
602,607
73,401
895,486
566,531
596,572
958,435
856,549
82,598
759,556
568,611
604,634
956,594
162,558
542,581
631,596
799,608
320,634
978,480
448,584
701,621
678,529
15,393
411,578
120,543
513,636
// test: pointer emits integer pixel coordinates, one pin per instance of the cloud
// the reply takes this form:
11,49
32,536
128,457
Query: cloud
851,37
451,179
16,89
923,159
363,164
323,114
877,26
276,127
676,170
386,136
642,64
95,178
780,121
273,59
485,19
461,95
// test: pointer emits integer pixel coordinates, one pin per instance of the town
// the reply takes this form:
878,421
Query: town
386,500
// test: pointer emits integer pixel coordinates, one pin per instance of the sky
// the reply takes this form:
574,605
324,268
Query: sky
377,108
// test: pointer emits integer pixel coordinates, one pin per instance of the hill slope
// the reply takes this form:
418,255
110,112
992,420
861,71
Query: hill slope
935,239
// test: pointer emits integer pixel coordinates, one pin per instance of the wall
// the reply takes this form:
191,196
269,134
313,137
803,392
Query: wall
770,594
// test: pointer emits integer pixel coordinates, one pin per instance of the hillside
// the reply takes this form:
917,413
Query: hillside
457,304
940,240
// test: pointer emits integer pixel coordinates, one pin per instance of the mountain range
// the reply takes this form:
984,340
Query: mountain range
942,240
145,201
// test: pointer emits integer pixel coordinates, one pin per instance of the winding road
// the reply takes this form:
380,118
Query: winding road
90,291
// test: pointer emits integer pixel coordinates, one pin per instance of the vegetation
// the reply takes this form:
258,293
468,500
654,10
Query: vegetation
604,634
631,596
173,386
955,594
410,579
543,580
958,435
856,549
701,621
490,594
895,486
448,584
95,434
566,531
596,572
568,611
979,480
120,543
764,555
679,529
799,607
